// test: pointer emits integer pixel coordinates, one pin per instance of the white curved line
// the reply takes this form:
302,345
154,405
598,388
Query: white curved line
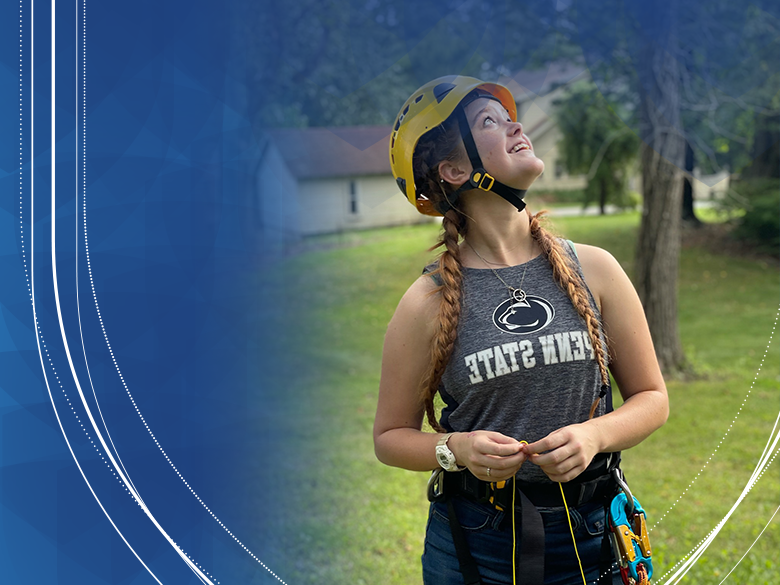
751,546
758,470
129,486
32,278
116,366
78,304
723,438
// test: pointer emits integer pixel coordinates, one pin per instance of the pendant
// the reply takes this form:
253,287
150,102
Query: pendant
518,294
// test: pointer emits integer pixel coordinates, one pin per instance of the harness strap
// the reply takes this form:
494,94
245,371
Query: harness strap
468,566
479,178
531,543
531,559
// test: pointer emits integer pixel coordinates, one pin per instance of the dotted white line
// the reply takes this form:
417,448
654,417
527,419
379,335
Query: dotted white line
38,331
84,190
660,579
774,326
774,455
103,328
21,150
22,243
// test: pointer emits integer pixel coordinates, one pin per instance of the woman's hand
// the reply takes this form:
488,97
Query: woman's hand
565,453
483,450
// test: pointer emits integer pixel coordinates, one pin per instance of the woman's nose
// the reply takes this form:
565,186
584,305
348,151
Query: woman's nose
516,128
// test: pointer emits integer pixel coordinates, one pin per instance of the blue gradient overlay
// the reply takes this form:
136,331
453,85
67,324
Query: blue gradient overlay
131,421
144,419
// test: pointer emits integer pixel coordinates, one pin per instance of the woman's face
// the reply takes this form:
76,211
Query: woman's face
506,152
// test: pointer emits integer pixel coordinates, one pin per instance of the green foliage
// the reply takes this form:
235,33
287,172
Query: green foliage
760,222
597,142
342,63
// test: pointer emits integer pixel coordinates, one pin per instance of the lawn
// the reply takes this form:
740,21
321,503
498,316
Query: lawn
357,521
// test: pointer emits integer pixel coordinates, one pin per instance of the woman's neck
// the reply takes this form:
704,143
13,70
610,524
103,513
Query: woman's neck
497,235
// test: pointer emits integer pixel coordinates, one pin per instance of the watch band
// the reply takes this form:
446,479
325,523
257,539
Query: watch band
445,457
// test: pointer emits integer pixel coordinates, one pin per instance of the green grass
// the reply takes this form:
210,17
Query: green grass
357,521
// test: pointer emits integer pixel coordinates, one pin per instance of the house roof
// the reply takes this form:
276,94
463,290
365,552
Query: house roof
319,153
526,85
316,153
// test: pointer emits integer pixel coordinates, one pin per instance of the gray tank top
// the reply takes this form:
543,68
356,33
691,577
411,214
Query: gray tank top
523,369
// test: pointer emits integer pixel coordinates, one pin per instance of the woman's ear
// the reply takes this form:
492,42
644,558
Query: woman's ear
453,172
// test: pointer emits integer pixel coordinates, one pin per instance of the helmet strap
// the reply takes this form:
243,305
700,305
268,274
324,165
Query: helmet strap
479,178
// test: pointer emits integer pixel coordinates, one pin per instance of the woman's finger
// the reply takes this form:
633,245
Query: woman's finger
553,457
508,462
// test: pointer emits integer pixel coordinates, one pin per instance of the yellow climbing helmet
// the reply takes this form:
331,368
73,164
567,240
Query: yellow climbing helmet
427,108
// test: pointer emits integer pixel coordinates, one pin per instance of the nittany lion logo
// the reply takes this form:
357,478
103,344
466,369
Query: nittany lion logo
523,315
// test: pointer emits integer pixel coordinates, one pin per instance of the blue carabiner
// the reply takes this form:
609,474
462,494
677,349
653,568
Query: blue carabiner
632,548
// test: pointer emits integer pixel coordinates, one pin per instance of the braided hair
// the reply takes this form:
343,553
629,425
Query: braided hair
443,143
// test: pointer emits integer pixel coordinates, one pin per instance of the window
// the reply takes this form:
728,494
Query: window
353,202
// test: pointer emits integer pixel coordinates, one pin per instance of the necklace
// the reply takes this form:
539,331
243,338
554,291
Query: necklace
516,293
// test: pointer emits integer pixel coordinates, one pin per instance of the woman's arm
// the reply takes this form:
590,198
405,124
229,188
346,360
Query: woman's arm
633,365
398,438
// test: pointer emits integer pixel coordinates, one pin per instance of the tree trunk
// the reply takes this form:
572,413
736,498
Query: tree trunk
688,213
658,248
603,197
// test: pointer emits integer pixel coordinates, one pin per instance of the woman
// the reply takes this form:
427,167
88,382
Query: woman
516,330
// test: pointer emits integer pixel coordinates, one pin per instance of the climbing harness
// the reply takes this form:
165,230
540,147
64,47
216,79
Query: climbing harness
630,542
522,502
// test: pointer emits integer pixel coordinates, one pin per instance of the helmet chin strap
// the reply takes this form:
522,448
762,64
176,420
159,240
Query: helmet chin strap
479,178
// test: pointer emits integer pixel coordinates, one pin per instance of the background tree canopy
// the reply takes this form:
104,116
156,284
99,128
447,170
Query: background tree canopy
597,143
348,62
699,73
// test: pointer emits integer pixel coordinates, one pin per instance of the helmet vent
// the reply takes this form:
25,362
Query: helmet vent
441,91
418,98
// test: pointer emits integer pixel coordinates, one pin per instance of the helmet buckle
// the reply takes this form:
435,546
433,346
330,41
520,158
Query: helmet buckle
482,180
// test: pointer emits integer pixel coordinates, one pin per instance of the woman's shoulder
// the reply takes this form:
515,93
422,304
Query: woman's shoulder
600,269
417,310
423,293
594,257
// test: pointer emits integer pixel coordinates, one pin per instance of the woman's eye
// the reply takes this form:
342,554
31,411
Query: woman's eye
489,119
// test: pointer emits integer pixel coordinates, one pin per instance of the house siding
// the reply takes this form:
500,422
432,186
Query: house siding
326,205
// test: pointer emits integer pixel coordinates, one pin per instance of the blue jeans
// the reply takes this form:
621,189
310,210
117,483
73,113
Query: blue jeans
489,536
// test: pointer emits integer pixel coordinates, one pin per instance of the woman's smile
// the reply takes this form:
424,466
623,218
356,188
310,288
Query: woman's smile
506,152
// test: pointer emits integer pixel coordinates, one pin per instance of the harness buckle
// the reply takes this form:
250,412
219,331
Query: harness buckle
435,488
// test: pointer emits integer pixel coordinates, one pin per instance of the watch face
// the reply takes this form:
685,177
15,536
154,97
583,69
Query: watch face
446,459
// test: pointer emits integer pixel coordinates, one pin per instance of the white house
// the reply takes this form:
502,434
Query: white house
343,178
340,178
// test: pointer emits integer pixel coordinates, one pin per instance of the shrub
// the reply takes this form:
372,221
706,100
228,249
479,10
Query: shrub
760,223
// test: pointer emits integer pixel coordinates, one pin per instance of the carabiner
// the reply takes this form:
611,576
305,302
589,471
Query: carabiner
628,526
618,475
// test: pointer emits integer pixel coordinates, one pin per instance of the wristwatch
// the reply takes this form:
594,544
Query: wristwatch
444,456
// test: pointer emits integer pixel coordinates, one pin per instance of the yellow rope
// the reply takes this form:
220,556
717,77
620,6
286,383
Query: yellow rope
514,534
574,540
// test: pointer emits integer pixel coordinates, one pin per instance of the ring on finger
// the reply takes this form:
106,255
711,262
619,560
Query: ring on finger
488,472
